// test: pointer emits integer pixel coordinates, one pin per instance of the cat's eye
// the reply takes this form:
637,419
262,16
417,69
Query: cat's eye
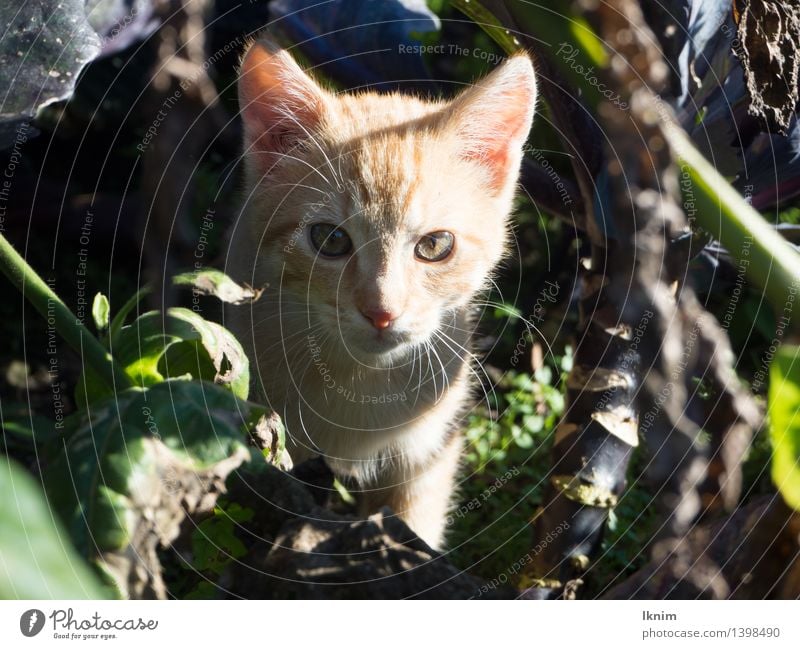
329,240
435,246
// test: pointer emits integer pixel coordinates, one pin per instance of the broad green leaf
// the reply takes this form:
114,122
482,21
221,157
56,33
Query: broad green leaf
37,560
179,344
134,463
45,46
784,412
182,343
100,312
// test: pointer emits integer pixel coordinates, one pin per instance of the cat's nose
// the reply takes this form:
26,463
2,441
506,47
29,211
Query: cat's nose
379,318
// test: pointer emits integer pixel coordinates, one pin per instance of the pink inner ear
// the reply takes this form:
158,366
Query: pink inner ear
280,104
499,161
500,147
497,119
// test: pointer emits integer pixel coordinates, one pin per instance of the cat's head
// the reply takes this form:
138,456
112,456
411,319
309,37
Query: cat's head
380,213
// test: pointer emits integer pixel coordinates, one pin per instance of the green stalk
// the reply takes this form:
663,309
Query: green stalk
487,21
773,265
48,304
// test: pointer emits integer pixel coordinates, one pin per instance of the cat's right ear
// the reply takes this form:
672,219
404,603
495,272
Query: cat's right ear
280,104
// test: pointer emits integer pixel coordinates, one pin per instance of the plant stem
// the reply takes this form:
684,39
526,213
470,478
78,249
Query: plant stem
49,305
772,264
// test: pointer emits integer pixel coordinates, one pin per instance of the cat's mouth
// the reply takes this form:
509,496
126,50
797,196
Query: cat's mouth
381,343
373,347
367,344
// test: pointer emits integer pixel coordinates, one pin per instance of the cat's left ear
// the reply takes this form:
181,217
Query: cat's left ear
493,118
281,105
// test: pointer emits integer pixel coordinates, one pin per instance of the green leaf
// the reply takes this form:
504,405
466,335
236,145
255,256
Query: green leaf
214,542
209,281
133,461
525,440
45,46
344,494
119,319
772,263
533,423
23,429
203,590
182,343
784,412
100,312
179,344
37,560
489,23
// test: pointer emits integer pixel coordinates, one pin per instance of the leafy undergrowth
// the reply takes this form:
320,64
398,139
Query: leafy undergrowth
505,469
505,473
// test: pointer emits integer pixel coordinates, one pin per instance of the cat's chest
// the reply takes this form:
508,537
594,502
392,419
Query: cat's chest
357,419
379,404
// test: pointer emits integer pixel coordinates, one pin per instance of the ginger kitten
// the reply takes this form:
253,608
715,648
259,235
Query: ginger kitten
375,219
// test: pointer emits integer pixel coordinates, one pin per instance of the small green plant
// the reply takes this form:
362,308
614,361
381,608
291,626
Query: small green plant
162,418
508,440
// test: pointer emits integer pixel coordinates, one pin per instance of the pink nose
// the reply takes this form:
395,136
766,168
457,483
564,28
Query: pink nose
380,319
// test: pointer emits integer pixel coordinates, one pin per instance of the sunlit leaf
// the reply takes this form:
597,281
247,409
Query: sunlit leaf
37,560
784,412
